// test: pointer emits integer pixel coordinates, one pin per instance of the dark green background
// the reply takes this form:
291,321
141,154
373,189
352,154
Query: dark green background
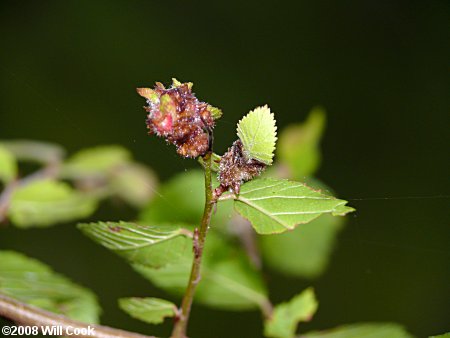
68,70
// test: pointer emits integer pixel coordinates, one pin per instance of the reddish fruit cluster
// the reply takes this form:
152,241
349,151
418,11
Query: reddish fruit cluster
235,168
178,116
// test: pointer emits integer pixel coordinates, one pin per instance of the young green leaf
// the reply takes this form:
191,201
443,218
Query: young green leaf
98,161
149,310
274,206
46,202
8,165
286,316
258,134
34,283
362,330
298,145
445,335
229,281
151,246
308,247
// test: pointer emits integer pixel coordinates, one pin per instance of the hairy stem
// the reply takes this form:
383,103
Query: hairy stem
24,314
180,328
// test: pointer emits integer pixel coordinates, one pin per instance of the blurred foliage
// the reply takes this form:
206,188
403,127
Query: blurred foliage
298,146
181,199
149,310
362,330
33,282
47,202
286,316
99,161
309,245
445,335
8,166
66,190
43,153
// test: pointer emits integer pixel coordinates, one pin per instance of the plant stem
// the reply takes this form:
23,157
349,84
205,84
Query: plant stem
180,328
24,314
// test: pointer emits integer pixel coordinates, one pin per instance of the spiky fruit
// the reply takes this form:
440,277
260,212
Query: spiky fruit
178,116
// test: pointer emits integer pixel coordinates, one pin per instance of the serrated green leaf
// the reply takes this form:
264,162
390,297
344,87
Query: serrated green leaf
8,165
298,145
274,206
229,281
286,316
257,132
34,283
304,251
445,335
135,184
149,310
362,330
152,246
46,202
98,161
35,151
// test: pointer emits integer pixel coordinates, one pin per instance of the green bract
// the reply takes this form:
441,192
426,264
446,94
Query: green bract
258,134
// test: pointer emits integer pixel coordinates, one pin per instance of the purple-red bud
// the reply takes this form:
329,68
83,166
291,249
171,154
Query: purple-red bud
178,116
